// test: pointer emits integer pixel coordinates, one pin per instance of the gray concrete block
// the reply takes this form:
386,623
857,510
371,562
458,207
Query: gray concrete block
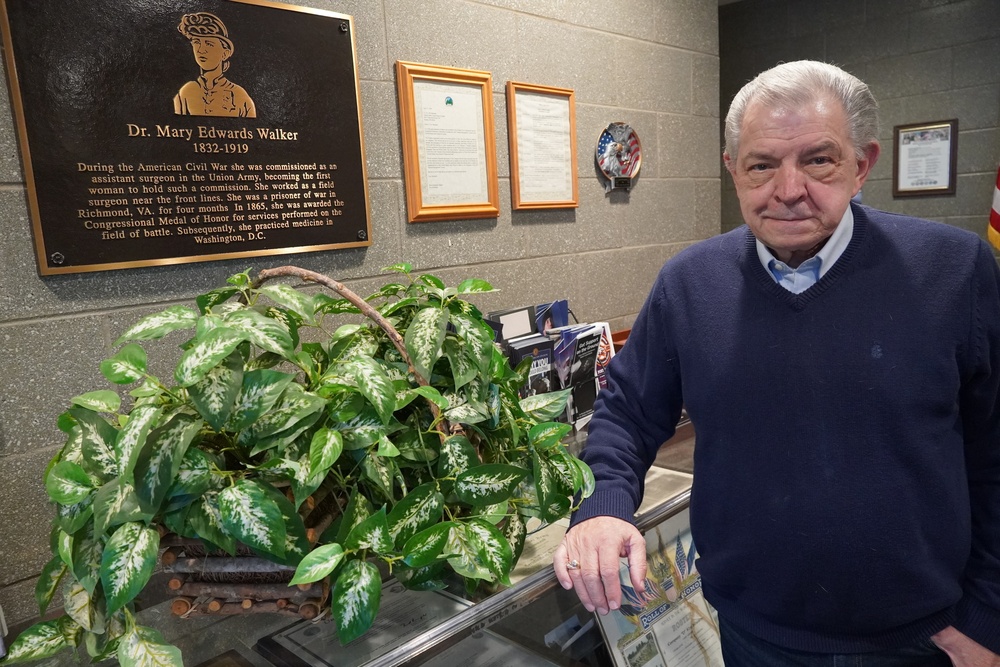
884,8
369,38
809,17
44,368
705,85
707,208
973,197
873,40
978,150
975,108
19,605
380,119
665,213
977,63
689,146
596,224
954,24
912,74
687,24
27,520
10,149
750,23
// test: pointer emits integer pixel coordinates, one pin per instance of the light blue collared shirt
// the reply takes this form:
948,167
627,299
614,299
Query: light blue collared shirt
809,272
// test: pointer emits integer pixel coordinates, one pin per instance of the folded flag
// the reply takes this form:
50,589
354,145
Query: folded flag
993,231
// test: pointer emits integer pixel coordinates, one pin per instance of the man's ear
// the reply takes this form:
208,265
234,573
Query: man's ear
728,162
865,164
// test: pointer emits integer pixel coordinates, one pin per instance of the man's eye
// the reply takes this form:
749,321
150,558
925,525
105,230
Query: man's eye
821,160
758,167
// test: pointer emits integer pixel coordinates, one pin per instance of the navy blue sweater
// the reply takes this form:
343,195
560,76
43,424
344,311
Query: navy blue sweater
846,494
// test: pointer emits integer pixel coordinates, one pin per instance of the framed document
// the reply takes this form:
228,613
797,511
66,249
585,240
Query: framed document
924,158
449,150
541,123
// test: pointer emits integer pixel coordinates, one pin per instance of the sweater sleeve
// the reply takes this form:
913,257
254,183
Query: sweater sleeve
635,414
978,612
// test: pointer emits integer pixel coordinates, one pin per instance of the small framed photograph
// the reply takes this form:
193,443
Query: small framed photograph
449,148
541,127
924,158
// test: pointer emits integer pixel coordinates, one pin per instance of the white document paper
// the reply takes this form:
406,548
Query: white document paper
544,147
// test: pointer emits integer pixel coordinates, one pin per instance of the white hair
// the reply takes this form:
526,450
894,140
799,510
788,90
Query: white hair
801,82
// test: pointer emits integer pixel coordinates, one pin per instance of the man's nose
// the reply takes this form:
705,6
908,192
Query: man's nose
789,183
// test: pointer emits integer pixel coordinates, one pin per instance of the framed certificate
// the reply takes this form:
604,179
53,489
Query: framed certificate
541,123
924,158
449,149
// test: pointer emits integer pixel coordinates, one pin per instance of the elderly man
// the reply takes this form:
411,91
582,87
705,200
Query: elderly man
841,366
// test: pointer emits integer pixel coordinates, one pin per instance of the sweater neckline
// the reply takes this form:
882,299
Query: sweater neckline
841,266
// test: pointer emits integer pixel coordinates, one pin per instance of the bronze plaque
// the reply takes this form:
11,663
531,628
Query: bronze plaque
168,131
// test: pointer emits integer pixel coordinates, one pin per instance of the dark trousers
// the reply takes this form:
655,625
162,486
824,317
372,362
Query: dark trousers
741,649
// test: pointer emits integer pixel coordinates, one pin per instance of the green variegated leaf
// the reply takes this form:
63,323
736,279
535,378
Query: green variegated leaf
360,343
457,456
372,533
424,337
87,553
296,405
205,519
291,298
127,366
128,562
160,459
567,475
389,309
331,306
546,407
72,517
98,401
588,478
467,413
474,286
64,547
402,267
494,549
250,514
39,641
324,450
261,390
478,337
215,394
355,600
432,280
265,332
426,578
546,486
67,483
386,448
101,647
114,504
358,509
144,647
548,434
465,550
493,513
160,324
488,484
379,470
98,443
420,508
374,384
320,562
296,543
516,531
205,353
48,582
463,366
405,397
133,436
428,545
82,608
209,299
362,430
194,477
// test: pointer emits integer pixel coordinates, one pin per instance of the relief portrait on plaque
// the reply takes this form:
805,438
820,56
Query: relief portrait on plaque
211,94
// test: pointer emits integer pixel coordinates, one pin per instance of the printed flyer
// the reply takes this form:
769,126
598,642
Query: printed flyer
676,627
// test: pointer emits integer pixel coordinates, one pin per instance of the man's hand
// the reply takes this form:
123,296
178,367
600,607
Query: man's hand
964,652
596,544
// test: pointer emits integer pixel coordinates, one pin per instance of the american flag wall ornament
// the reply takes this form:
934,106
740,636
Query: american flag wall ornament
619,156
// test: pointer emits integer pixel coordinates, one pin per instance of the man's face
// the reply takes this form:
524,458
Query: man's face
795,175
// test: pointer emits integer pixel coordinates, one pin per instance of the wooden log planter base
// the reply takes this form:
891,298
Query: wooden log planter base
216,583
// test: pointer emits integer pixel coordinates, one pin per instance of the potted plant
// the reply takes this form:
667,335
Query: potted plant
407,426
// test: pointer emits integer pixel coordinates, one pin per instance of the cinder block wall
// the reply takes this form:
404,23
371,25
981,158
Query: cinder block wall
925,60
651,63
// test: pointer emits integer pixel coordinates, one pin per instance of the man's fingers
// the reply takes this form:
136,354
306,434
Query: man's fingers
635,551
559,565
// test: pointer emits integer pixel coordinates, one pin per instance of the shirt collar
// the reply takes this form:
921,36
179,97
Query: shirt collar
828,254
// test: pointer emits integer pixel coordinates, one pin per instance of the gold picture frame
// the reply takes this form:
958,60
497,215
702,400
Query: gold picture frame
449,147
542,146
925,159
